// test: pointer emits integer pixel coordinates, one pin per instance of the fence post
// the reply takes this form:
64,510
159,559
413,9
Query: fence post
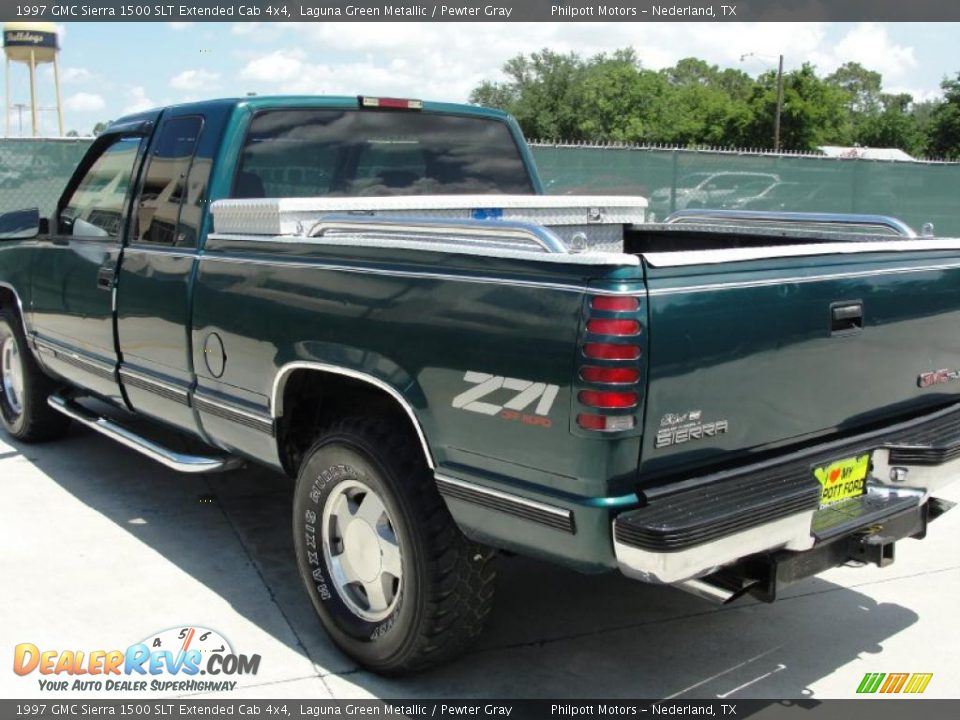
675,161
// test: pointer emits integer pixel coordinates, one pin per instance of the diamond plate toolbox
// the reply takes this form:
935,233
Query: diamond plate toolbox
585,223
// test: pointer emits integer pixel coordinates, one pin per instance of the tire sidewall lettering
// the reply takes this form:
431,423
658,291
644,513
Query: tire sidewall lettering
313,564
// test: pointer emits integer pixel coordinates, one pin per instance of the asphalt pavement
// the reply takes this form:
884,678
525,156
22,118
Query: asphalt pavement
102,548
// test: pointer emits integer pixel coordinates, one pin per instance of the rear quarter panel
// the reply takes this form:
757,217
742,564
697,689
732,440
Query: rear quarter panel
419,321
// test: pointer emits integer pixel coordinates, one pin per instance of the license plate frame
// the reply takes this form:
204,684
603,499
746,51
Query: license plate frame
843,478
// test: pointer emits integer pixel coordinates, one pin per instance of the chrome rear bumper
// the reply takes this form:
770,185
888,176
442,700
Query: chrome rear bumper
663,543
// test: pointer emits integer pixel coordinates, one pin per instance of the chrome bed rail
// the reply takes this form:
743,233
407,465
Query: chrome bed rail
793,222
505,233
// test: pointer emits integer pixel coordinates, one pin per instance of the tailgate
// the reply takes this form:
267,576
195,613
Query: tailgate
756,354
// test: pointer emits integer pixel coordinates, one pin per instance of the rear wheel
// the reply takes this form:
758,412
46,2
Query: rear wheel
393,580
24,388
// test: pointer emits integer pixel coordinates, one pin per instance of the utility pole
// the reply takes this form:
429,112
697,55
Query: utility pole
776,123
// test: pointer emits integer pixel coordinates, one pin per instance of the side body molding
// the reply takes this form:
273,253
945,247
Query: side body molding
280,381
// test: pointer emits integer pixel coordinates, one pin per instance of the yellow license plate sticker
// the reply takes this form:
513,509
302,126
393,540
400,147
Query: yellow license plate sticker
842,479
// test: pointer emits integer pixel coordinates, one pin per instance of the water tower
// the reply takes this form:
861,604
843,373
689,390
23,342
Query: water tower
32,43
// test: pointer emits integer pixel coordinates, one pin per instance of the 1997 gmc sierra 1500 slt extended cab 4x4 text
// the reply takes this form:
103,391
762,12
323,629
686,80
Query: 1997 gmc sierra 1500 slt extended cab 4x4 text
373,296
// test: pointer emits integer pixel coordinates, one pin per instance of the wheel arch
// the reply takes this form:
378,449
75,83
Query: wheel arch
341,377
9,297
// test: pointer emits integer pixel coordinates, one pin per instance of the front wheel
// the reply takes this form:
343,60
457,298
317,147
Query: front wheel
393,580
24,388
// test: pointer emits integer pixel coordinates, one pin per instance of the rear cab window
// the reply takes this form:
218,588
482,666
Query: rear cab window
364,153
169,208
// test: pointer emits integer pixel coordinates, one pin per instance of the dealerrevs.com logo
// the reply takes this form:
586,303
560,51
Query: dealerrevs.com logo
169,661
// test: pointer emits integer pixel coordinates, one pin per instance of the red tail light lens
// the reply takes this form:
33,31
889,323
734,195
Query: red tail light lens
611,376
614,407
615,304
610,351
613,327
604,399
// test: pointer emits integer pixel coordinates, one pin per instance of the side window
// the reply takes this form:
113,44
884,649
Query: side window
169,208
95,208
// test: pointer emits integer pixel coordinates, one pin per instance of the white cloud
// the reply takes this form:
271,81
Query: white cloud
84,102
419,58
138,101
445,61
76,75
918,94
278,66
179,25
870,45
194,80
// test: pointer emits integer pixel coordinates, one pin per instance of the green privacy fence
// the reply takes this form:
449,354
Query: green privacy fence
917,192
33,172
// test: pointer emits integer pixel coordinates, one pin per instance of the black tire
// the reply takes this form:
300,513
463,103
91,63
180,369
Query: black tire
446,590
25,413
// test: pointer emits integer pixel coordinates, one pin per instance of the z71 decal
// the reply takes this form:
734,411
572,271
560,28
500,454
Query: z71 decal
516,396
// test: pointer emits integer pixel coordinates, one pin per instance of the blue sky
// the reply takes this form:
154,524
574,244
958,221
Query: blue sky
111,68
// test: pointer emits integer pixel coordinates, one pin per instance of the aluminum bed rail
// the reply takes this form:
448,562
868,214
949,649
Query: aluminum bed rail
507,233
793,221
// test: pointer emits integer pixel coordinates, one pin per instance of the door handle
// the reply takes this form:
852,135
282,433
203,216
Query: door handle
105,277
846,317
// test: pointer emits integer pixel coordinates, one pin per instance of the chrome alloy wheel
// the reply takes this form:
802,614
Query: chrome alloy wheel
11,373
362,551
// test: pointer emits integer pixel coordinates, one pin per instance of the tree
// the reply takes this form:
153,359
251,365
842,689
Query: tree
943,138
894,125
620,101
813,113
862,87
612,97
100,127
540,92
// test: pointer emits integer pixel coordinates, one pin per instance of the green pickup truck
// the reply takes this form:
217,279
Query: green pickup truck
375,297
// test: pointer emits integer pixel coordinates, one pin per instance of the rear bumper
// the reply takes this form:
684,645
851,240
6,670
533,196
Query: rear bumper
701,525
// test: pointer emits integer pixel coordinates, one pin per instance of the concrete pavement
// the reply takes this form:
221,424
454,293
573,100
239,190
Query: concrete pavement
101,549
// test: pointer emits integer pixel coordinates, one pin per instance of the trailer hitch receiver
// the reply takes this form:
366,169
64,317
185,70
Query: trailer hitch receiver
873,548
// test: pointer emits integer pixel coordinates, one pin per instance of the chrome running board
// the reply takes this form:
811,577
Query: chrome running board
174,460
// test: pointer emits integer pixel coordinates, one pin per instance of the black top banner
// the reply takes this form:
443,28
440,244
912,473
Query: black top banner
476,11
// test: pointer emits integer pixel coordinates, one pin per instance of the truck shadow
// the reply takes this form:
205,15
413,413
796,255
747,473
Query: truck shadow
553,633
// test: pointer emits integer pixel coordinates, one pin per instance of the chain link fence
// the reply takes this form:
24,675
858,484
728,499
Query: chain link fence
33,173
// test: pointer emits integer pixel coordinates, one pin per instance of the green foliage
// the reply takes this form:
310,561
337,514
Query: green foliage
613,98
944,130
813,112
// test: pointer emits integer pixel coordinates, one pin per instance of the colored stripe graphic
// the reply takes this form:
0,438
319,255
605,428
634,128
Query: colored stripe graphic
894,682
918,682
870,682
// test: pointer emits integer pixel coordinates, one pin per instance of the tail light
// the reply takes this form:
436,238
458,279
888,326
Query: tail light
608,394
